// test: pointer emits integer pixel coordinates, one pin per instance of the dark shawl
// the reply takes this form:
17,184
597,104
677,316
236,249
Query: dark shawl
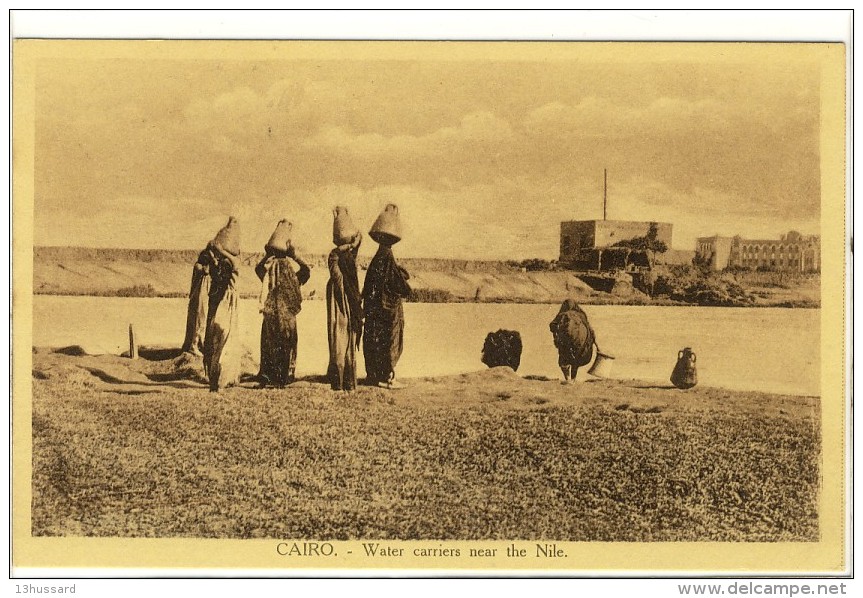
573,335
283,284
222,273
386,283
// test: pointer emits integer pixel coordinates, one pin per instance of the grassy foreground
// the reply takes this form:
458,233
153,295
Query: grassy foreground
141,448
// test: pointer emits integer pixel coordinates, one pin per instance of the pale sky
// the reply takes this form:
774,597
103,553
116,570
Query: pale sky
484,159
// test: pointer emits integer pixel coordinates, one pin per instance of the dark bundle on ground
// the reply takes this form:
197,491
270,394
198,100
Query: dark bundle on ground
502,348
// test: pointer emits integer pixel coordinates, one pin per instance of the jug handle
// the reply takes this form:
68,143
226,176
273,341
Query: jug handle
680,355
694,358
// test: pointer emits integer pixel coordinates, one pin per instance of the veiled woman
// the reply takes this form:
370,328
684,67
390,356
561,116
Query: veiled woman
344,302
281,301
199,291
222,349
383,292
573,337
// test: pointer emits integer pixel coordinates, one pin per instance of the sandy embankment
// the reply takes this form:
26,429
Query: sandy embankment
121,272
87,276
141,448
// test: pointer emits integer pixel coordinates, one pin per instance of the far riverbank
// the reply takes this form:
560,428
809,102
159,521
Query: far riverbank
164,273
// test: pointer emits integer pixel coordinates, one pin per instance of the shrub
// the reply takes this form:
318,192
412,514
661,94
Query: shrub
533,264
138,290
432,296
691,285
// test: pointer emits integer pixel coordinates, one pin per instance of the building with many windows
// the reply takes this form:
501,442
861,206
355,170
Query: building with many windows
792,252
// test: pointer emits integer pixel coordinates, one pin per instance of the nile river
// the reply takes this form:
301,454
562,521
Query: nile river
768,349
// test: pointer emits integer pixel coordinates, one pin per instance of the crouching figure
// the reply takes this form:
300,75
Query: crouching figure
502,348
573,337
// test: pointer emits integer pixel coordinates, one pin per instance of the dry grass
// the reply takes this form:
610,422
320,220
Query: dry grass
127,451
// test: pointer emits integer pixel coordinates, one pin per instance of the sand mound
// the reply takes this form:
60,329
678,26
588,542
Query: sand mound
114,373
188,366
73,350
158,353
90,372
491,374
55,371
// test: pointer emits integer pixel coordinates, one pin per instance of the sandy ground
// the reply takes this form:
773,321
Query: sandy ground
141,448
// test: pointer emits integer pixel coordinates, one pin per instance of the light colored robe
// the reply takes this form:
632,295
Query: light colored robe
222,348
196,317
344,318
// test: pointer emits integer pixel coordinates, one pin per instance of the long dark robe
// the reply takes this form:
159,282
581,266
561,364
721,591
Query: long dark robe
573,335
222,348
199,291
279,328
385,287
344,318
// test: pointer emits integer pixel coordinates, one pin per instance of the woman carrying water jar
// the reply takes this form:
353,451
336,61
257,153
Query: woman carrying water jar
386,285
280,302
344,302
222,340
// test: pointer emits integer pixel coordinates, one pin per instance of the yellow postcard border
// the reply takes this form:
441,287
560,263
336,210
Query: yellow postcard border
828,556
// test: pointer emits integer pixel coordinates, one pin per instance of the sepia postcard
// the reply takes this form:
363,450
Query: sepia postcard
497,307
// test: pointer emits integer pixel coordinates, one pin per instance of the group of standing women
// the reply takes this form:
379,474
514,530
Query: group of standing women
372,318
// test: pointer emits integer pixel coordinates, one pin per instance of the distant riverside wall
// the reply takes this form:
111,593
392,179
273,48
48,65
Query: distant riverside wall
167,273
188,257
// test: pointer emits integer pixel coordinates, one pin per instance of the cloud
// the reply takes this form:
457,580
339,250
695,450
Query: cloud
702,212
132,222
437,222
672,116
602,118
512,218
764,155
481,166
241,119
476,131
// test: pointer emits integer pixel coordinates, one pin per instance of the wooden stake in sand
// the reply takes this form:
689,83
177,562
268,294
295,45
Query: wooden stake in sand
133,346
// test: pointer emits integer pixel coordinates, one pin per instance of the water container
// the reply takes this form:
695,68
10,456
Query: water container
601,367
387,229
280,240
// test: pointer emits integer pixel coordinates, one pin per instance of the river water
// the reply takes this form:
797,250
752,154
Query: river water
767,349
